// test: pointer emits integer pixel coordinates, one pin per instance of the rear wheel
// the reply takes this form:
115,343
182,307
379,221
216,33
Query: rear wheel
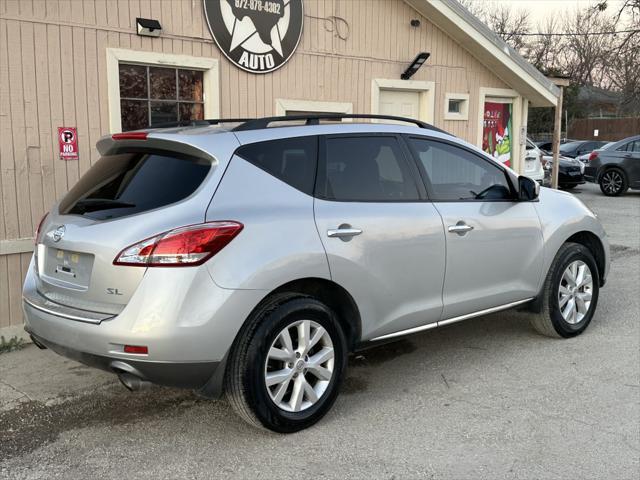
613,182
570,293
286,368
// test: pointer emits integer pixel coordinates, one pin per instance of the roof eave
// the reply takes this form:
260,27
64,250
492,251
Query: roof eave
489,49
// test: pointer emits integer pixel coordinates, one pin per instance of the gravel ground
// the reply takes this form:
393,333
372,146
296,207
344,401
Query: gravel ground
487,398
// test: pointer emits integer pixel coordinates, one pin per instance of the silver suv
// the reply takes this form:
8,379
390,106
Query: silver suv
250,258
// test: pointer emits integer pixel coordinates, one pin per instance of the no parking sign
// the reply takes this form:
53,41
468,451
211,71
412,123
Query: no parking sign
68,142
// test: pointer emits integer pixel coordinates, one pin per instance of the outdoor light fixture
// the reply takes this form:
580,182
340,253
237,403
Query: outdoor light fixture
415,65
148,27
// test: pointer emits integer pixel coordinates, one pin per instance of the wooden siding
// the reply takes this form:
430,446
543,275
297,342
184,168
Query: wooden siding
53,73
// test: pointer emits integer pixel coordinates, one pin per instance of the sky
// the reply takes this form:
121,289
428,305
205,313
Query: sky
542,9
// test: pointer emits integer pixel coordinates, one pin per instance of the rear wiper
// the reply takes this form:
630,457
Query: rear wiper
95,204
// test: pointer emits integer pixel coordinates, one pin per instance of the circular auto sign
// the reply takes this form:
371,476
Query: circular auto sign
258,36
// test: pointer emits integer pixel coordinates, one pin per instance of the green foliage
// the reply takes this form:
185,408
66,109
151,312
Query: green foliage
14,343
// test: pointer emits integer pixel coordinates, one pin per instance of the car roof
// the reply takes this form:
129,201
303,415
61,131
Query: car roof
210,137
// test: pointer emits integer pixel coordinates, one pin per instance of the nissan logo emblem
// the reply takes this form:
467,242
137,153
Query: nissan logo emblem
58,233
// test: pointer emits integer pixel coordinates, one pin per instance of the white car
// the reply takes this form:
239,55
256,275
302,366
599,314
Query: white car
533,167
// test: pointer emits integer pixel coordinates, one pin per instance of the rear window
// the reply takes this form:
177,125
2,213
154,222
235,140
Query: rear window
125,184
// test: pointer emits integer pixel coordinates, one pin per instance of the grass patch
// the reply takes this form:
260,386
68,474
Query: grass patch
14,343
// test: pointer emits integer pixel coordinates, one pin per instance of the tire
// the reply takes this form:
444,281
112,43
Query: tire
250,362
569,186
550,320
613,182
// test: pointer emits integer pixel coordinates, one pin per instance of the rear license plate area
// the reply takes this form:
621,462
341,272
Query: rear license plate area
68,268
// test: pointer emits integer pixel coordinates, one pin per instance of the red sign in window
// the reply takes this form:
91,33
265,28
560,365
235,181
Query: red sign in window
68,142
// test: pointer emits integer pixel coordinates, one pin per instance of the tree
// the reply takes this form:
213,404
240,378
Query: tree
582,46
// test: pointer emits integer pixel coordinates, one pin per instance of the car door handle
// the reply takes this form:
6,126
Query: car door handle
343,232
460,228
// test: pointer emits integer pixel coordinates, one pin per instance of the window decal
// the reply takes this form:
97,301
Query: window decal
497,135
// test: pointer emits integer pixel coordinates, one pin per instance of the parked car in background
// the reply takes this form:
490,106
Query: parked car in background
616,168
570,172
533,163
584,158
250,260
580,147
548,146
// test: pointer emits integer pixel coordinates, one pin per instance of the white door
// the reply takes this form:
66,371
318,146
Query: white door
399,103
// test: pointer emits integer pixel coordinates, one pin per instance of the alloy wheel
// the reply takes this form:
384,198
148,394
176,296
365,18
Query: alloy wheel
612,182
575,291
299,366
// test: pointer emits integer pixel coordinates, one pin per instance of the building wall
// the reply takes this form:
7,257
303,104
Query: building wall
53,73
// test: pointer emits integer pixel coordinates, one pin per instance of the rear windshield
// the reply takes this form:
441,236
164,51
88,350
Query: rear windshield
121,185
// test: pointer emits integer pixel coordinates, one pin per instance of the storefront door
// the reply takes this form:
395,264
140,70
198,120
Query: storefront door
400,103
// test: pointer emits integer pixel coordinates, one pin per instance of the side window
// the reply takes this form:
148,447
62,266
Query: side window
292,160
627,147
365,168
636,147
457,174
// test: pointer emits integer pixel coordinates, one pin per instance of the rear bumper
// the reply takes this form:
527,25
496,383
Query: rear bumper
172,374
185,320
590,173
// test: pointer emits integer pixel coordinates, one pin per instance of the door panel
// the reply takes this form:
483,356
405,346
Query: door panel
394,268
498,262
385,243
494,244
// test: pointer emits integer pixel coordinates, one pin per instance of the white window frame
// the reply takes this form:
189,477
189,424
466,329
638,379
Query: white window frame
463,114
424,88
283,105
211,78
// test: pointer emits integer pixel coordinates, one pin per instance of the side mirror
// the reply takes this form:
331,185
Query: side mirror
528,189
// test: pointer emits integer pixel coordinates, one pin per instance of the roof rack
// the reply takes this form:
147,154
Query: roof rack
200,123
314,119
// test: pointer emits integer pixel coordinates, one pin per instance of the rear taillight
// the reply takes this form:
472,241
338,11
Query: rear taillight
182,247
592,156
39,229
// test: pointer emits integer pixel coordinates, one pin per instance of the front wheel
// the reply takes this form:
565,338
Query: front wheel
613,182
286,368
570,293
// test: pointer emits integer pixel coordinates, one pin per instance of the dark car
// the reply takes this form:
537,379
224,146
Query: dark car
570,172
548,146
580,147
617,168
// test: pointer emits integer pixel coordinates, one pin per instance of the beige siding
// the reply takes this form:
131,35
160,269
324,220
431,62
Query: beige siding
53,73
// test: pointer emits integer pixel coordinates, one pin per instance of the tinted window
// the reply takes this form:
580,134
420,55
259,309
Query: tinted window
370,169
125,184
292,160
630,147
569,147
457,174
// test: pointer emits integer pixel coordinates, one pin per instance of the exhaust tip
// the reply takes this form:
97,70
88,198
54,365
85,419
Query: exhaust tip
133,383
37,343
